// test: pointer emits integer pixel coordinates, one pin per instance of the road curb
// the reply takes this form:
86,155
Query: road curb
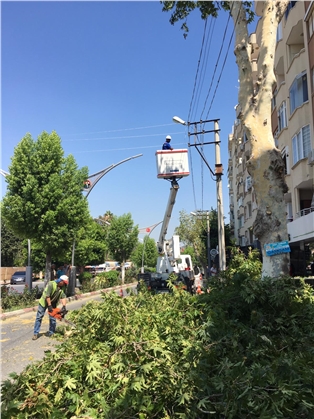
76,297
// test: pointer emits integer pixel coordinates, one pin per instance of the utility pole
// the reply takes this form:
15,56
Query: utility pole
220,212
218,174
208,246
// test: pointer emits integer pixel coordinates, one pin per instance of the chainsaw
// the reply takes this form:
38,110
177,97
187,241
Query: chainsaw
59,314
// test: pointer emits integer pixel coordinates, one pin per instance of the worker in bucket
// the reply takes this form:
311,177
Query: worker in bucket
53,293
166,145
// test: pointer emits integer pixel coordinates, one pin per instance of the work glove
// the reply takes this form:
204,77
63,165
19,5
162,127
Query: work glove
63,311
50,309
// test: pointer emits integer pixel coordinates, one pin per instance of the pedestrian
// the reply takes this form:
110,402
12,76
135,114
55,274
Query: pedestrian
53,293
53,272
213,270
60,272
166,145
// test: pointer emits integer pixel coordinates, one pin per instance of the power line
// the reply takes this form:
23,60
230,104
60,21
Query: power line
124,148
122,138
197,70
216,65
121,129
224,63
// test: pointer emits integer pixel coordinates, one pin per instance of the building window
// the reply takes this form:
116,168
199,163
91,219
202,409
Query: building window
279,32
289,212
276,137
298,92
301,144
285,158
291,4
249,209
244,137
273,99
248,183
282,117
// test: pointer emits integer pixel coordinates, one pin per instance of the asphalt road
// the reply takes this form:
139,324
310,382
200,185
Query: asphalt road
17,347
20,287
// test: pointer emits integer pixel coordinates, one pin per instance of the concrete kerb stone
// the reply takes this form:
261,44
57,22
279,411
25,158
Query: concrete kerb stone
76,297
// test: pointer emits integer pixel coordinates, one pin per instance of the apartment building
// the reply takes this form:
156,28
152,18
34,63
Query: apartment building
293,129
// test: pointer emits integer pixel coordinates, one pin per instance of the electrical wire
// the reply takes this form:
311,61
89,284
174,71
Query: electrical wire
223,66
216,65
204,64
197,70
124,148
121,138
121,129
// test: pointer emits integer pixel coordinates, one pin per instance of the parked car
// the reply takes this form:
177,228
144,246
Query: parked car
18,277
127,265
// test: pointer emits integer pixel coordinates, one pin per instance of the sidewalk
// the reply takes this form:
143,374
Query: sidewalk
10,314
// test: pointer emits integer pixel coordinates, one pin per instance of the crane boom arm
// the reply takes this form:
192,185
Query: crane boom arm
172,199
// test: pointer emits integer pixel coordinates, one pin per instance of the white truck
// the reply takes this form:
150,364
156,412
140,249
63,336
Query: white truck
172,166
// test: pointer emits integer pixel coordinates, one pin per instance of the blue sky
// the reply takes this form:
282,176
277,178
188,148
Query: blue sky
108,77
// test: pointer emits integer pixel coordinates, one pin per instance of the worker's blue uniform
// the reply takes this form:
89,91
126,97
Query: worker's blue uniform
166,146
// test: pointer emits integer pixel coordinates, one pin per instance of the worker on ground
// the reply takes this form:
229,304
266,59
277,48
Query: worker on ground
166,145
53,293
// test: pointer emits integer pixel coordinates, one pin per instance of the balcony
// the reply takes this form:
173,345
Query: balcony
302,228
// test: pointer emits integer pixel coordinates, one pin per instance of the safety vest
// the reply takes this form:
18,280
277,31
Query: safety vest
53,292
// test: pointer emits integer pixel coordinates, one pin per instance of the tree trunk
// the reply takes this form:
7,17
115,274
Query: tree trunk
122,272
48,268
265,164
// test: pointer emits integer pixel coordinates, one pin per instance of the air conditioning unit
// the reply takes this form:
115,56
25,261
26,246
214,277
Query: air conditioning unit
311,157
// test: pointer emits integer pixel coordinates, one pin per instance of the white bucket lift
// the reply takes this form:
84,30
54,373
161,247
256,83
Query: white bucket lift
172,163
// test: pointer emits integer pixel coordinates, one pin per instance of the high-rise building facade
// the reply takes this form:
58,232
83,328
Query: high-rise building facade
293,129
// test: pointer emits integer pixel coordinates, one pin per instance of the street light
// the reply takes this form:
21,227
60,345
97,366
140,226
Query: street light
208,239
218,174
178,120
144,243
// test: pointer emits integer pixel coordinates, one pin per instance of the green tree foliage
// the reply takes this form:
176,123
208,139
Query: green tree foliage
193,232
122,239
91,244
150,253
11,247
245,350
44,198
181,9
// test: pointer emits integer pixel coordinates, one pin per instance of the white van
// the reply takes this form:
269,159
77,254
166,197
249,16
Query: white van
104,267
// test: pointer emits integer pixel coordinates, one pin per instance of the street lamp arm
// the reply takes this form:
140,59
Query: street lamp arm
144,243
103,172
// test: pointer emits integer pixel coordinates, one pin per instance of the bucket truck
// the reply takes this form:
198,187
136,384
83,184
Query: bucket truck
172,166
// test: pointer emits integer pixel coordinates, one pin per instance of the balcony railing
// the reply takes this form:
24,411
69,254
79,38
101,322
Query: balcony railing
305,211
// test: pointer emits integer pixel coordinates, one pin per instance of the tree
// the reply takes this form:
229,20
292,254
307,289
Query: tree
91,244
193,232
150,253
190,233
265,165
122,239
11,247
44,199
